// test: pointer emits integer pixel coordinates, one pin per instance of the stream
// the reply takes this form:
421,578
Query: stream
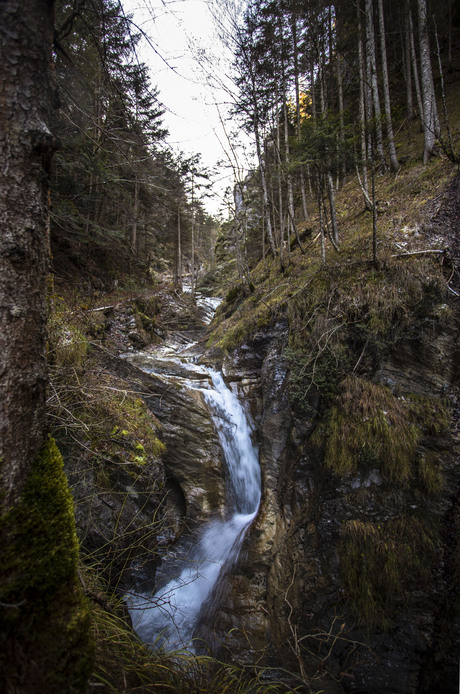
169,617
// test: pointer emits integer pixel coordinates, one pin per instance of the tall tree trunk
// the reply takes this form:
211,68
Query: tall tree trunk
295,49
42,635
192,279
341,110
430,111
26,95
413,53
291,210
362,111
134,225
372,71
334,223
280,194
386,91
321,220
313,90
265,195
407,67
178,263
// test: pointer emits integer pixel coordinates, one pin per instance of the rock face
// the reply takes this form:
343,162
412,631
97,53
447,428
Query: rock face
289,595
134,498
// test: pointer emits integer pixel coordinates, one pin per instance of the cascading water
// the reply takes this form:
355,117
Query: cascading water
169,617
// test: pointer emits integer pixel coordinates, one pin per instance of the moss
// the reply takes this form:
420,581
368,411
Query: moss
149,306
139,430
431,414
148,324
69,346
430,476
368,426
233,294
45,643
380,563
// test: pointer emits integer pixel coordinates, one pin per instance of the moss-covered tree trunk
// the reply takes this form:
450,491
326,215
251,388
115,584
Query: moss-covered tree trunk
26,147
43,619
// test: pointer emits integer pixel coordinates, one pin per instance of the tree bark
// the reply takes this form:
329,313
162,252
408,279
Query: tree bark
386,91
291,210
192,280
280,194
430,111
413,54
133,241
26,148
407,66
341,112
362,111
265,196
44,624
372,70
295,49
178,273
334,223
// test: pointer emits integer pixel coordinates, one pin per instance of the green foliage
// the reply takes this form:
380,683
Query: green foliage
381,562
44,615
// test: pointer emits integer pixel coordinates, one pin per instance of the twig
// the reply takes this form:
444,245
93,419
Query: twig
426,252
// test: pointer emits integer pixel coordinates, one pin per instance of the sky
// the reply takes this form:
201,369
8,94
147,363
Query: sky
179,31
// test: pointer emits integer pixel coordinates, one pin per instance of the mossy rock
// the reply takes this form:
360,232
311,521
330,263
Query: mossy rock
381,563
368,426
45,642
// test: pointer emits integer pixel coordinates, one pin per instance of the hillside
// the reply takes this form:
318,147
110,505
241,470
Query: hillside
340,352
289,461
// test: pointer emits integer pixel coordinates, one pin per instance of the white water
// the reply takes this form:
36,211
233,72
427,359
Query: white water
170,616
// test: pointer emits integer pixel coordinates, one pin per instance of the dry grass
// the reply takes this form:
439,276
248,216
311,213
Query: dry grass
381,562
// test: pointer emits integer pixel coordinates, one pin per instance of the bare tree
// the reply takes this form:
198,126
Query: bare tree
386,91
362,114
372,78
430,118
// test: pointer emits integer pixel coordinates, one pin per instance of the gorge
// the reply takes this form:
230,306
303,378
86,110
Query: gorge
347,580
260,493
169,618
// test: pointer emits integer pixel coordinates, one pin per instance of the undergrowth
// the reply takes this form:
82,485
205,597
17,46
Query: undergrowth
124,664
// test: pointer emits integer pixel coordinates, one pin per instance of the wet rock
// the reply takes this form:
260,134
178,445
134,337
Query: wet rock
288,583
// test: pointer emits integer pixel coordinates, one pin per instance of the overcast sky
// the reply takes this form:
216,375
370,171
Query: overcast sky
179,31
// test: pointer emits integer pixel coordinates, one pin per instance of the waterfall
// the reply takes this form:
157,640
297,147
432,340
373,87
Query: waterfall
169,618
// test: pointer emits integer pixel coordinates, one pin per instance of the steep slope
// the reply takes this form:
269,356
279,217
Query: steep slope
352,374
